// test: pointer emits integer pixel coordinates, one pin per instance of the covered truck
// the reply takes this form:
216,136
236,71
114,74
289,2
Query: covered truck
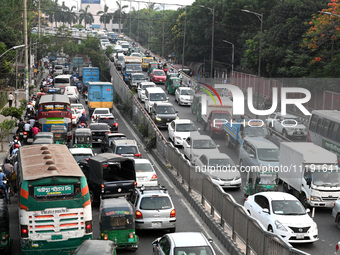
90,74
100,95
310,173
130,65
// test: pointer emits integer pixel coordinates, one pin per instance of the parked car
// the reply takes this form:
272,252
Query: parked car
163,113
109,120
100,111
125,148
98,131
108,138
158,76
81,153
184,95
145,173
141,89
182,243
154,209
284,215
220,168
180,129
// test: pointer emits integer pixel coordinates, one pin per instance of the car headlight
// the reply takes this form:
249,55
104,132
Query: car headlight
158,119
315,199
178,138
279,226
177,118
215,178
237,178
314,227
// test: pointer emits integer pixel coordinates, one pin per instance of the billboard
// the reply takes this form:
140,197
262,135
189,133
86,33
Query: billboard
90,1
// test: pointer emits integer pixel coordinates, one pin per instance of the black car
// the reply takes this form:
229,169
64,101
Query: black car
98,131
163,113
109,138
111,121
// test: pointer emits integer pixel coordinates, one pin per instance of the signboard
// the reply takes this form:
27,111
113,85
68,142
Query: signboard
331,147
90,1
46,191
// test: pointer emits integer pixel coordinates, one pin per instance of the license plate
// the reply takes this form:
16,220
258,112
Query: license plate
25,136
156,224
140,178
30,140
168,123
57,237
300,236
21,133
227,183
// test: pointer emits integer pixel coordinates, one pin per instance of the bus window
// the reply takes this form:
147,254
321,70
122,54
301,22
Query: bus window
313,122
335,131
319,126
325,125
330,129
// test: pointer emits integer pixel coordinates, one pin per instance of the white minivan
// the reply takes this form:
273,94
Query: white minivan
154,95
62,81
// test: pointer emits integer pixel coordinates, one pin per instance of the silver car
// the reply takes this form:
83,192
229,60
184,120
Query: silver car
154,209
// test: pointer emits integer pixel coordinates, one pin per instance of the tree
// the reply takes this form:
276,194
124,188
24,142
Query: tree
105,16
117,15
5,128
86,16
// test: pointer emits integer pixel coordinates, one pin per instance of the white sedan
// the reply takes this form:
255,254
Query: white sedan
283,214
75,117
145,173
79,108
180,129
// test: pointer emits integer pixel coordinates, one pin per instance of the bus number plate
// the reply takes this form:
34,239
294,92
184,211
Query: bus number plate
57,237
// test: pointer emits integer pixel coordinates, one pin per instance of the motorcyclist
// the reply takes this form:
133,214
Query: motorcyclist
13,143
16,148
2,185
27,128
29,109
83,118
21,125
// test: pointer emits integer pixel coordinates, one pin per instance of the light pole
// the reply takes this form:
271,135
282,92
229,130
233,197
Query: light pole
185,28
13,48
232,59
212,38
260,17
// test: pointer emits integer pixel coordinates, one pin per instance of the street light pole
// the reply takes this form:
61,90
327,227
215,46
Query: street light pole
26,49
185,28
163,34
260,17
232,59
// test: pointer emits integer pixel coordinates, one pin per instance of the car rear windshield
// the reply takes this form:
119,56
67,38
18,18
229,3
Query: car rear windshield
62,80
99,127
159,73
138,77
155,203
157,97
187,92
108,121
186,127
204,144
101,112
79,157
77,107
206,250
143,167
126,150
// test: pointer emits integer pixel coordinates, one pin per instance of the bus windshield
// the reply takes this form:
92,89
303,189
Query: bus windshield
54,107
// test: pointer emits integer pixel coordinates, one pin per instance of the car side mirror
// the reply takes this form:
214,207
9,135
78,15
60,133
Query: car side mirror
265,210
217,145
155,243
199,129
307,210
176,111
210,240
251,156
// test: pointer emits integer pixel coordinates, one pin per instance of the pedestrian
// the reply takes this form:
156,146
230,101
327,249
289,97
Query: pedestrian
10,98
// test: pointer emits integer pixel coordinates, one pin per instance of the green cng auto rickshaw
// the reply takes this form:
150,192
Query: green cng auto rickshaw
117,223
168,75
152,66
90,247
82,138
260,181
59,134
173,84
6,242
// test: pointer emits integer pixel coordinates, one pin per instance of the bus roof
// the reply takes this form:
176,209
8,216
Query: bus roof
47,160
57,98
329,114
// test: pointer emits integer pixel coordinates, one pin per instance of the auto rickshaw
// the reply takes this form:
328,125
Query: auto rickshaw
6,242
173,84
260,181
47,135
152,66
168,75
59,134
82,138
117,223
90,247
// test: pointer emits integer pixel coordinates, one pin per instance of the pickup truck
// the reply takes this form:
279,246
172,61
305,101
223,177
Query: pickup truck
287,125
109,175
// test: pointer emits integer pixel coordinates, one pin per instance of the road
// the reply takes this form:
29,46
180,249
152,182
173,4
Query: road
187,220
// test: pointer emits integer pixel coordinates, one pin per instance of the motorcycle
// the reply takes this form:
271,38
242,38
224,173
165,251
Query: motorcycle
2,191
82,125
25,136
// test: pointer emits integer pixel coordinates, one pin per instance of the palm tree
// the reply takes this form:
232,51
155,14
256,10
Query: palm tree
151,6
71,16
86,16
105,17
119,12
53,12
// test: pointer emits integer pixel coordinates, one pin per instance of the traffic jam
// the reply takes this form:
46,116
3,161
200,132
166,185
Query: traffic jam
85,183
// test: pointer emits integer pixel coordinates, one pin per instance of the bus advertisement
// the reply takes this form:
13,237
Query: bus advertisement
54,110
55,214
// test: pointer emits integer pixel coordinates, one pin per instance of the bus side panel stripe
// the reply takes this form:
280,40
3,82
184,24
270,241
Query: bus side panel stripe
85,190
88,202
24,193
23,207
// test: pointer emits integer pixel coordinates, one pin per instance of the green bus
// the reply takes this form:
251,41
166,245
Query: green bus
55,215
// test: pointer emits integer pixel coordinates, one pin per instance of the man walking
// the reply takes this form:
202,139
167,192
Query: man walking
10,98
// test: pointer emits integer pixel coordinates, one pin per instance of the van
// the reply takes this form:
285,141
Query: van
72,93
62,81
154,95
58,69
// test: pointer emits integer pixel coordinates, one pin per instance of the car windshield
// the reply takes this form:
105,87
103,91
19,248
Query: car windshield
222,116
107,120
166,110
147,86
204,144
268,178
186,127
80,157
268,154
155,203
187,92
124,46
101,112
143,167
126,150
221,162
99,127
256,131
120,58
326,178
138,77
197,250
159,73
157,97
136,68
77,107
288,207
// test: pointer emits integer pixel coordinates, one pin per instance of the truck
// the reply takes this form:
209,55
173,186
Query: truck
77,61
90,74
215,115
235,132
310,173
131,65
100,95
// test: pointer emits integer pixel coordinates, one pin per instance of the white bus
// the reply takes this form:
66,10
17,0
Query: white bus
62,81
324,130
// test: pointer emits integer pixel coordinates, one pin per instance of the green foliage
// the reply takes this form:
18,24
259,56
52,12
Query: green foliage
23,104
12,112
3,100
152,141
5,128
143,127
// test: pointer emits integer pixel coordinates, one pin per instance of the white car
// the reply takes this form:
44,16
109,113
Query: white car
184,95
284,215
75,117
180,129
145,173
81,153
141,89
79,108
287,125
100,112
